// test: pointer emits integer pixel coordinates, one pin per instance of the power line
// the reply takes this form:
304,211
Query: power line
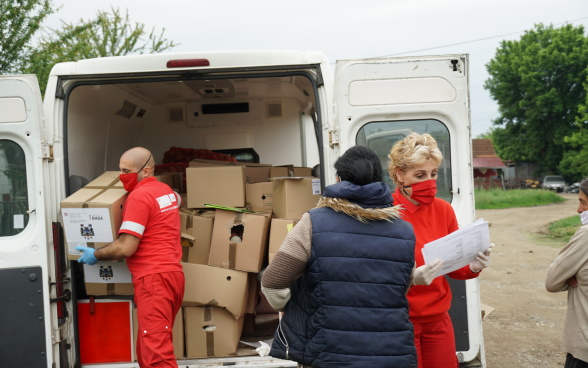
476,40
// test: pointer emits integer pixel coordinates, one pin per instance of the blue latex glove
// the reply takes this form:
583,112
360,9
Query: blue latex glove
87,255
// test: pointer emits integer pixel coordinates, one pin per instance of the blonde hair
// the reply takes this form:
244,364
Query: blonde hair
413,150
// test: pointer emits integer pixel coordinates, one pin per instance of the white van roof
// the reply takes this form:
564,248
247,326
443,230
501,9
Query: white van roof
216,59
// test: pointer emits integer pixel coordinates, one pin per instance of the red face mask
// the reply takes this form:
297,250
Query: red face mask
129,181
424,191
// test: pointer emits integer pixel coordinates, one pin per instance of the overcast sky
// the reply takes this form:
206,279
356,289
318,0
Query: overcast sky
345,29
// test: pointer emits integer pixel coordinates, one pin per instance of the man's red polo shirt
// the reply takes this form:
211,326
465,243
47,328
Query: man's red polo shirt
151,213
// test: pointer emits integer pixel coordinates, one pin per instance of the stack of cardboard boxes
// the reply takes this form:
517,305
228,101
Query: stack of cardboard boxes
232,212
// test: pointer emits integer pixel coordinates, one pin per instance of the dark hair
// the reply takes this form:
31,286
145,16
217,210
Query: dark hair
359,165
584,186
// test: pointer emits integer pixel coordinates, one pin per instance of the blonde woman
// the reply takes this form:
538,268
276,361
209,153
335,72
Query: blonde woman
414,165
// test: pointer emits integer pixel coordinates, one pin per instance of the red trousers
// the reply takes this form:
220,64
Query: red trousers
158,298
435,344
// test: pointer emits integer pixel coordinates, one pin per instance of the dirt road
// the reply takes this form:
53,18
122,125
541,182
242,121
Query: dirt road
525,327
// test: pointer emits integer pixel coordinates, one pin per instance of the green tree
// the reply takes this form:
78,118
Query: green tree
109,34
537,82
575,161
19,21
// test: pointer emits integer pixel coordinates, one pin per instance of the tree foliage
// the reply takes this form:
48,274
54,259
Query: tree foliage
575,160
537,82
19,21
108,34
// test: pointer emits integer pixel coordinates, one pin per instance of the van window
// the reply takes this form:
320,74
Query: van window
381,136
13,189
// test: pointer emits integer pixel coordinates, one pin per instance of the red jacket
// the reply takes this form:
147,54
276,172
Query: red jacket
428,303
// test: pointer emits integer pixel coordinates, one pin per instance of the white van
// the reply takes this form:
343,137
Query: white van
288,106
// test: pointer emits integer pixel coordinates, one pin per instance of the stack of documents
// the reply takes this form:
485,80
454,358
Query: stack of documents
459,248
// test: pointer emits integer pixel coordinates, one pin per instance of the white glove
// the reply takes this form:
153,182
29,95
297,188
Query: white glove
482,260
425,274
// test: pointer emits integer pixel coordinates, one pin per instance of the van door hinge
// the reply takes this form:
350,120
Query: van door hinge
55,336
333,138
47,150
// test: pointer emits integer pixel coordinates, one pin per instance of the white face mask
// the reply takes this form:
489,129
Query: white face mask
584,217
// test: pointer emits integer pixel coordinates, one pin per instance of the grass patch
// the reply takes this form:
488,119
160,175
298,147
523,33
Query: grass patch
558,233
564,228
500,199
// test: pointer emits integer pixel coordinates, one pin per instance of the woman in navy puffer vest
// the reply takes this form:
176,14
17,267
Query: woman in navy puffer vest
342,273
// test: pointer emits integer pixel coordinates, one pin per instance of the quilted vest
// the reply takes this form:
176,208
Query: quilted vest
349,309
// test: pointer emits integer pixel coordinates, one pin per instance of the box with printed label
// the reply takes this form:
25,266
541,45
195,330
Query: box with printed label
259,196
239,240
177,333
278,230
211,332
105,331
196,227
108,278
222,185
209,285
295,196
92,217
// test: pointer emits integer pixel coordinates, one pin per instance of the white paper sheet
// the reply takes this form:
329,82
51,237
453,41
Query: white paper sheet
459,248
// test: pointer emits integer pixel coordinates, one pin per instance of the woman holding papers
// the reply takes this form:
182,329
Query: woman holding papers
414,163
342,273
569,272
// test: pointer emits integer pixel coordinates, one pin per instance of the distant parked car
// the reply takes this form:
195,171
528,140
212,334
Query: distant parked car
553,182
573,188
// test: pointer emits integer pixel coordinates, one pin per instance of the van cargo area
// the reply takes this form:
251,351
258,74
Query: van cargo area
257,116
270,113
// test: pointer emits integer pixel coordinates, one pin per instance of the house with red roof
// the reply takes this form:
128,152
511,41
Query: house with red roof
488,167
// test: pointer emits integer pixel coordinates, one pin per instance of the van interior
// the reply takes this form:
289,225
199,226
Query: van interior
266,117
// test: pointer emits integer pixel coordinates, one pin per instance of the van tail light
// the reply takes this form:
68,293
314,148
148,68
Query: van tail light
185,63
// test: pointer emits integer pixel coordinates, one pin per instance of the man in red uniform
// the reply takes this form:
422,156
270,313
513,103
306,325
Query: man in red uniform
149,238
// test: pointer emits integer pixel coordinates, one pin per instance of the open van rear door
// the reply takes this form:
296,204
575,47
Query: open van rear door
380,101
25,310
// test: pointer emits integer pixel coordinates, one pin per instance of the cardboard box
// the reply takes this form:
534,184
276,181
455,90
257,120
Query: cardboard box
215,286
173,179
92,217
108,278
177,333
211,332
196,227
281,171
221,185
105,331
259,196
295,196
290,171
166,179
107,179
221,182
239,240
302,171
278,230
